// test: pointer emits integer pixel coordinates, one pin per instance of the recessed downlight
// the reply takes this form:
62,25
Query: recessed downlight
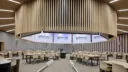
123,10
10,30
122,30
7,25
113,1
15,1
7,18
122,17
4,10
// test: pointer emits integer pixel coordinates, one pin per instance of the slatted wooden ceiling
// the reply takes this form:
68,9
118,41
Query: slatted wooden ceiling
5,4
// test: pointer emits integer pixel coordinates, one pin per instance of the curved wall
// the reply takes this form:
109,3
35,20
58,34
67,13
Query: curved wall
73,16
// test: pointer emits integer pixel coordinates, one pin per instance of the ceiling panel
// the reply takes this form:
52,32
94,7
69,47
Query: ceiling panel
122,21
123,14
121,4
123,28
7,28
6,21
6,14
5,4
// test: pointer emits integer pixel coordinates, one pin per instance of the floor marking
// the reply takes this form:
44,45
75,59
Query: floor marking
73,66
45,66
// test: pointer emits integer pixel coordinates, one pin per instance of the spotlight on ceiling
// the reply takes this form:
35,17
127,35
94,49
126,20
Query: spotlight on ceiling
124,31
7,18
7,25
113,1
123,10
122,17
10,30
15,1
122,24
4,10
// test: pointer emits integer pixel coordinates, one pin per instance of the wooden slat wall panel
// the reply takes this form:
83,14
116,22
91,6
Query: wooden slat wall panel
74,16
117,45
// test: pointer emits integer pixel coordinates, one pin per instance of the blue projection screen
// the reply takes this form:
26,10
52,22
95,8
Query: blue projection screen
81,38
62,38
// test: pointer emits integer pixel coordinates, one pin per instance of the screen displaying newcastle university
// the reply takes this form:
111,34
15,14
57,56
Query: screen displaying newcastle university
63,38
41,37
81,38
98,38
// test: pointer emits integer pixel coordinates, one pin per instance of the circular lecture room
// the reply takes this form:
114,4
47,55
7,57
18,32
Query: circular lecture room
63,35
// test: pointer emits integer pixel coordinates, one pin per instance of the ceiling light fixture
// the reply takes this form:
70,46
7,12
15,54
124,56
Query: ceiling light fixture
123,10
4,10
113,1
10,30
7,25
122,30
7,18
15,1
122,17
122,24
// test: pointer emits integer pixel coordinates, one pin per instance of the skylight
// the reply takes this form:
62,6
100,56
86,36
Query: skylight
122,30
4,10
7,18
10,30
123,10
122,24
113,1
123,18
6,25
15,1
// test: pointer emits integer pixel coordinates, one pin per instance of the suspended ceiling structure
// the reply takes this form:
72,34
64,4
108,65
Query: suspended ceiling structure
106,17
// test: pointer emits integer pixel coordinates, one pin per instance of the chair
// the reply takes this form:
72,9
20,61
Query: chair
19,53
14,53
10,54
15,67
104,56
42,57
35,58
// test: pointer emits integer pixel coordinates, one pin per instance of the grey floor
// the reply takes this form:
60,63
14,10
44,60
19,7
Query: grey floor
62,65
86,68
24,67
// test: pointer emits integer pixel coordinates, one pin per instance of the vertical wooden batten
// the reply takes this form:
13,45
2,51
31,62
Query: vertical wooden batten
74,16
